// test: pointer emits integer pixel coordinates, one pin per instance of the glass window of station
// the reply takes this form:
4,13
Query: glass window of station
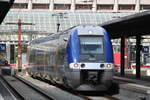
40,6
20,6
145,7
104,7
126,7
83,6
62,6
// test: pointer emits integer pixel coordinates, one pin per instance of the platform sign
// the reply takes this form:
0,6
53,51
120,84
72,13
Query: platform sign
145,49
2,47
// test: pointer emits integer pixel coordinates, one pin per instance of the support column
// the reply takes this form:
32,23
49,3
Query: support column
12,53
122,60
8,52
19,45
73,5
126,54
30,37
138,63
115,5
137,6
51,6
30,5
94,6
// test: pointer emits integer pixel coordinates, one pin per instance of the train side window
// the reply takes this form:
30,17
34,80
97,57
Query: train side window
63,51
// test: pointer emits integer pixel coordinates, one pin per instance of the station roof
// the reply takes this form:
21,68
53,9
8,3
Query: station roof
132,25
4,8
46,21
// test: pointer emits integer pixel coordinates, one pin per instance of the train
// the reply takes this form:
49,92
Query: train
80,58
130,57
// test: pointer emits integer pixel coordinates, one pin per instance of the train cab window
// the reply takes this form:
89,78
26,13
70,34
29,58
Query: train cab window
91,45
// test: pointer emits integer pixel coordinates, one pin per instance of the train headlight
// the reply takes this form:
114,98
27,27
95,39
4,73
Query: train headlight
76,65
109,65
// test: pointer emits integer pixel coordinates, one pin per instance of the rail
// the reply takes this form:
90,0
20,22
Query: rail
11,89
71,92
25,87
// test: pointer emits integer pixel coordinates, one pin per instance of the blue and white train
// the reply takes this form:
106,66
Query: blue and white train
80,58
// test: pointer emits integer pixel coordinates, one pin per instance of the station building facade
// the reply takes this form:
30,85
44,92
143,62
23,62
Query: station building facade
84,5
45,15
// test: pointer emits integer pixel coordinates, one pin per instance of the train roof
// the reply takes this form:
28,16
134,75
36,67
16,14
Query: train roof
50,36
44,39
90,30
57,35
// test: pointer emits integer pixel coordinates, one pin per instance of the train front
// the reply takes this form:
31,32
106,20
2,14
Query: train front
90,59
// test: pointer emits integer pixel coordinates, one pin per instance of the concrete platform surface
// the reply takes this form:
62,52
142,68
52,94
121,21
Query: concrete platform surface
133,88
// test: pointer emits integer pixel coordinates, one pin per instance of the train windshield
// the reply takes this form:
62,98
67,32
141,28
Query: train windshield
91,45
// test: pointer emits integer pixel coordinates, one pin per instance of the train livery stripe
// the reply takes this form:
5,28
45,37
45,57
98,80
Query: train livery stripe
108,48
73,47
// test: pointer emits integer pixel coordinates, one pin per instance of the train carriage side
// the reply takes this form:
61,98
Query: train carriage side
36,60
46,58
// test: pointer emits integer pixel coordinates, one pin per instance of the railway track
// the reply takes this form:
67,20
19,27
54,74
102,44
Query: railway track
24,90
82,97
86,97
16,94
5,90
94,96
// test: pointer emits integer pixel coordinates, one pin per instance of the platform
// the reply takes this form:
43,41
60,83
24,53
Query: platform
133,88
144,71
